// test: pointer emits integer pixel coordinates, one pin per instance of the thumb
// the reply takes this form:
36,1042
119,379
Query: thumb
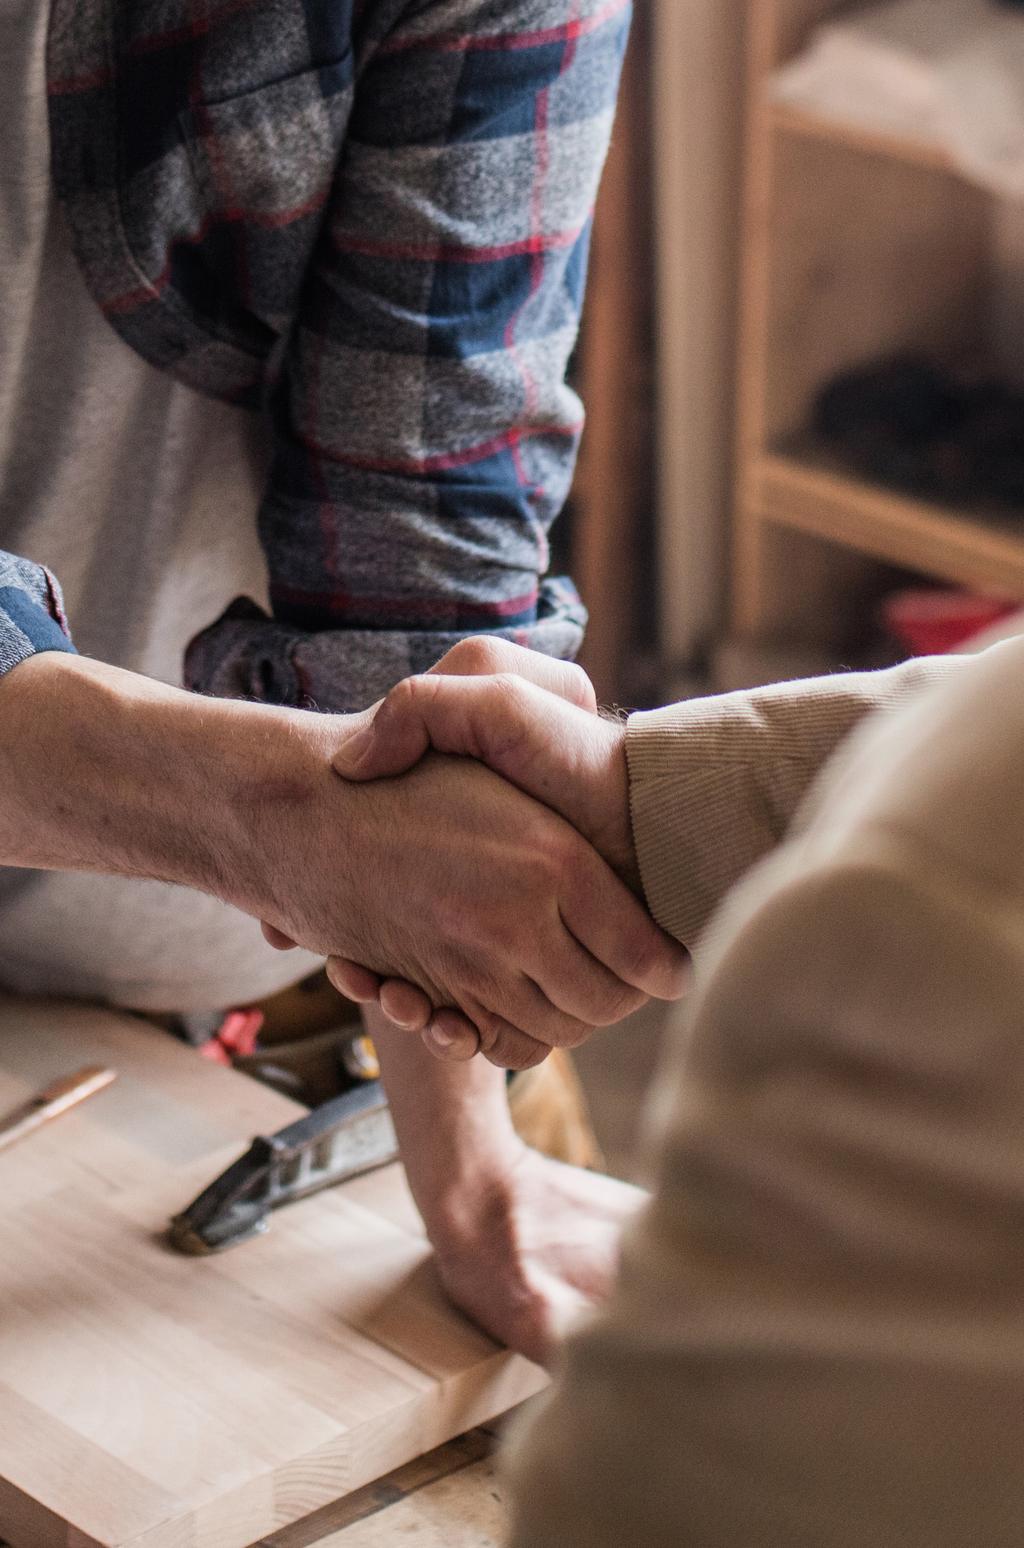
571,760
550,749
392,737
389,744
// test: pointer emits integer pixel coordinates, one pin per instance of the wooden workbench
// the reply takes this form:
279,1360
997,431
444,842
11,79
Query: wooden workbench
454,1497
148,1400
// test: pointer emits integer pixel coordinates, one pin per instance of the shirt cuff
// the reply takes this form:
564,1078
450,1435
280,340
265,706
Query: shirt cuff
31,612
246,655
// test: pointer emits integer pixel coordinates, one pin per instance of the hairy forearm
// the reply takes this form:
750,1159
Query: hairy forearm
453,1126
105,770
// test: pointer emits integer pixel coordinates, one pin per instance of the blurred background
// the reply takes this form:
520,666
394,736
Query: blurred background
803,364
803,361
803,348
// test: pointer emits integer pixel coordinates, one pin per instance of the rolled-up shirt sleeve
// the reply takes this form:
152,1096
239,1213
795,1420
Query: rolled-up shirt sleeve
31,612
425,434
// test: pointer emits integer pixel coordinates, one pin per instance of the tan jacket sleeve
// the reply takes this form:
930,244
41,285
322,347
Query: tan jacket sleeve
816,1339
715,783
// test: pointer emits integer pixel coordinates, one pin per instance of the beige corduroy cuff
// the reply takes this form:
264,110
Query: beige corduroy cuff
715,783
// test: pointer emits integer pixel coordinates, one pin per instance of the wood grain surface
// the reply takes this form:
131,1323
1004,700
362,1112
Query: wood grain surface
454,1497
464,1509
158,1401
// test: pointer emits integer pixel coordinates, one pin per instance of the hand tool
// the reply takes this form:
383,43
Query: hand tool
350,1134
58,1097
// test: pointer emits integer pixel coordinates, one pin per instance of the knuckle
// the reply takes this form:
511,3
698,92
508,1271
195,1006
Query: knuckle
542,883
404,695
490,1030
510,693
476,656
483,927
459,921
558,1028
563,853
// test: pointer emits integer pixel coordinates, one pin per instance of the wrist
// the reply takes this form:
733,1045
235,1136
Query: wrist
107,770
613,837
454,1129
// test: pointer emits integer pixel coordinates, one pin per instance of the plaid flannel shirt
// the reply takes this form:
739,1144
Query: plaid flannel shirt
369,220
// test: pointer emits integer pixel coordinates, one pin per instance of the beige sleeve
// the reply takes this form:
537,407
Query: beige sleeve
816,1339
715,783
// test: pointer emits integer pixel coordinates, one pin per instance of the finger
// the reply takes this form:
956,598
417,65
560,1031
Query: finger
276,938
452,1037
509,1048
614,927
559,1015
578,993
516,1050
353,981
503,1041
484,656
405,1005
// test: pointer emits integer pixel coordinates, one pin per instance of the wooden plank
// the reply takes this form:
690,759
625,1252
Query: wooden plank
379,1497
465,1508
789,119
615,379
157,1401
947,544
697,63
870,256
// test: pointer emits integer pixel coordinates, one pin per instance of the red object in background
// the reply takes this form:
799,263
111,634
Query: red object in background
235,1037
930,622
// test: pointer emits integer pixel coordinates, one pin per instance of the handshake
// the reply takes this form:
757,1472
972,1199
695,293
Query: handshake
494,899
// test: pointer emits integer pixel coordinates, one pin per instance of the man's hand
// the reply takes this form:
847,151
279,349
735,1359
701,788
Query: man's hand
458,882
477,656
571,760
522,1243
538,1252
548,745
449,877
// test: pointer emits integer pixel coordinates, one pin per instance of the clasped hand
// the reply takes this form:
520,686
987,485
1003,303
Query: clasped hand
509,922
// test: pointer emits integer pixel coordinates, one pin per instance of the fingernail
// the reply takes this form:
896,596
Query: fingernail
451,1045
353,749
405,1023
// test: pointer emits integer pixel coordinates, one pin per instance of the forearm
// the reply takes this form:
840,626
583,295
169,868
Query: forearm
453,1127
105,770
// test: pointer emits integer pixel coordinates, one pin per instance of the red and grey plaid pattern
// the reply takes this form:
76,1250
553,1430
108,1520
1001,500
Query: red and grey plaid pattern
369,220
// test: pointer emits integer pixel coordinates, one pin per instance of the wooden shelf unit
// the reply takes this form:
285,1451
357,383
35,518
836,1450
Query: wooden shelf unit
810,494
856,245
787,119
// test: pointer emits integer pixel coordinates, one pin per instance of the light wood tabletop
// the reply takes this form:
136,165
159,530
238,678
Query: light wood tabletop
150,1400
454,1497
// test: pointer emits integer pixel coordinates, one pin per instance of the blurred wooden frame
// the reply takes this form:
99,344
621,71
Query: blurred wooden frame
612,496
